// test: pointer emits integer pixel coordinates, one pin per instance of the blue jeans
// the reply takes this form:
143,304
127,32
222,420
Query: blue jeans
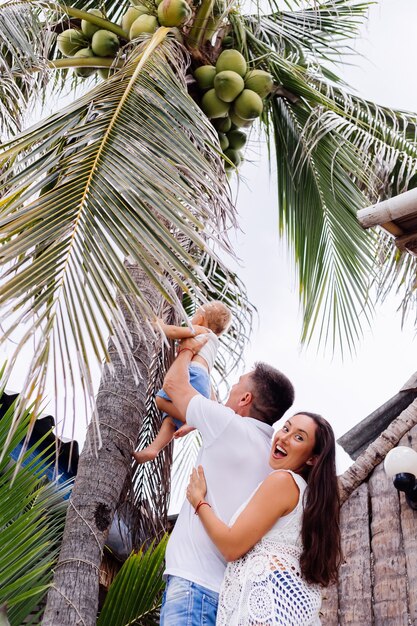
199,379
187,604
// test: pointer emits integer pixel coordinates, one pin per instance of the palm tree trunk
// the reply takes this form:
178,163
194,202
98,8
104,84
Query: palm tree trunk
101,476
376,451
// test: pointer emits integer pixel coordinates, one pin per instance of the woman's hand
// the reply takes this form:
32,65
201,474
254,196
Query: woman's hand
197,488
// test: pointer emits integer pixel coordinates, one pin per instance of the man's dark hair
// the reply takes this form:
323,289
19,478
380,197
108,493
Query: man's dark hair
273,393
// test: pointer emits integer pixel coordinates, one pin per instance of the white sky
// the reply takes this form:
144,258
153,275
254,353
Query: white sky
343,392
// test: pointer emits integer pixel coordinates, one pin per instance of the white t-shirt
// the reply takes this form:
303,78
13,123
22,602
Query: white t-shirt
210,349
234,455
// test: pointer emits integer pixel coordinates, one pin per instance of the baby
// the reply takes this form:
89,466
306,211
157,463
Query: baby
213,318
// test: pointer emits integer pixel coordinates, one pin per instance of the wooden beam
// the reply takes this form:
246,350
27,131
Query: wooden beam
389,210
355,587
357,439
408,528
390,600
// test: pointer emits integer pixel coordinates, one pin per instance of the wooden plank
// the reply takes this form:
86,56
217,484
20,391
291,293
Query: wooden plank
358,438
390,605
392,228
388,210
329,606
355,594
409,527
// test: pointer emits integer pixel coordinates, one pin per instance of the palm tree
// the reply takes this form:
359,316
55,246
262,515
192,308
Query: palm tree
133,170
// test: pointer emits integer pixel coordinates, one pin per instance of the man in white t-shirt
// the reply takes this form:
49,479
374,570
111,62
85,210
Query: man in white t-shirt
234,454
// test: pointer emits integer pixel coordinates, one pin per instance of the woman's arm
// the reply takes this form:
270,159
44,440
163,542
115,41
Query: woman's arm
277,496
179,332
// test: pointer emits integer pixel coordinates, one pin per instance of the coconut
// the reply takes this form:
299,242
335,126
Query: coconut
231,60
204,76
87,27
70,41
259,81
236,139
234,156
238,122
213,106
223,140
228,85
143,24
222,124
104,43
248,105
132,14
84,72
173,12
103,72
228,42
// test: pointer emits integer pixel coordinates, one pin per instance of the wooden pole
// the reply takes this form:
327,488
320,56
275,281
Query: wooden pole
389,210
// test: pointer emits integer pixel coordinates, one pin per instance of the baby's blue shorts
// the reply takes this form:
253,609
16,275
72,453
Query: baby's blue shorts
199,379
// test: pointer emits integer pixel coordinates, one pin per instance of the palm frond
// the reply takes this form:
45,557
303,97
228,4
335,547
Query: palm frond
32,520
24,47
134,597
93,184
317,205
315,33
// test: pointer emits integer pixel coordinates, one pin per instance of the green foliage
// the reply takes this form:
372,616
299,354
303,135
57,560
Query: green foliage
32,518
135,595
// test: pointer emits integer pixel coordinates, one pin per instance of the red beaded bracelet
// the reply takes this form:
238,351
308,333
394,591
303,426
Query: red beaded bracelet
201,504
183,350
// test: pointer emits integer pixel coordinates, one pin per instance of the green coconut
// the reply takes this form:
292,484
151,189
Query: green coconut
238,122
223,140
87,27
212,105
234,156
103,72
143,24
173,12
231,60
204,76
228,85
132,14
248,105
104,43
70,41
260,82
84,72
236,139
228,42
222,124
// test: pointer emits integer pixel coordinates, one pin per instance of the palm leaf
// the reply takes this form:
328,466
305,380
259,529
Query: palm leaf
135,595
31,524
316,33
114,188
24,47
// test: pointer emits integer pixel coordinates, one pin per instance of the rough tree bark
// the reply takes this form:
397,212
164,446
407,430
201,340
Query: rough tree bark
73,597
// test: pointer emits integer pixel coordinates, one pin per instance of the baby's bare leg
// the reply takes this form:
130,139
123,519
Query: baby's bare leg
162,439
166,406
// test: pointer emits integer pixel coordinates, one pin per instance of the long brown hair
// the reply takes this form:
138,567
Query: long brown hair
320,532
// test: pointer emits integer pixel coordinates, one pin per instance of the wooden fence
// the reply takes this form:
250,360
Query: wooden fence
378,579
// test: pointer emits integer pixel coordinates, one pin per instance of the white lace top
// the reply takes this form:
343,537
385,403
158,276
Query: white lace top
265,587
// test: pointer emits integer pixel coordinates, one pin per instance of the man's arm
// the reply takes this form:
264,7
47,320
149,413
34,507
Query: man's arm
176,382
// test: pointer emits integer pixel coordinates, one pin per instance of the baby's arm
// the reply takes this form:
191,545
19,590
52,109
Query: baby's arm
179,332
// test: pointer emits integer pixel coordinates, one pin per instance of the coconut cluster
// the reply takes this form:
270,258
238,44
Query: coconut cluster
90,41
140,18
94,41
232,99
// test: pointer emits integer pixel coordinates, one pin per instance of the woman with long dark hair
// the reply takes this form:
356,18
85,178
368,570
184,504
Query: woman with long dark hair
283,544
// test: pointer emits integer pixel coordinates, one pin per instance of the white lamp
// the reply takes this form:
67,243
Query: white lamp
401,465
